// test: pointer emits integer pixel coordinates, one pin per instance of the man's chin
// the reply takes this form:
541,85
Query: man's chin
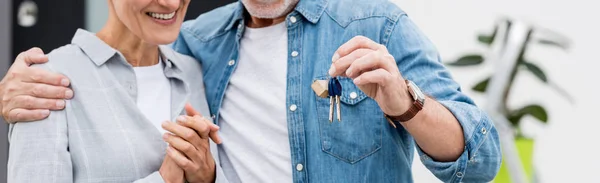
263,2
266,9
265,15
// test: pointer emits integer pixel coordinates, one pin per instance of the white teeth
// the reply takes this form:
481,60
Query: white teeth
162,16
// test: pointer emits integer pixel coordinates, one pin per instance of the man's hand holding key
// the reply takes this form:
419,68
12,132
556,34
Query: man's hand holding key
374,71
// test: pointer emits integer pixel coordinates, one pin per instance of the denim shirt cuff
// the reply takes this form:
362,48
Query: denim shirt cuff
475,129
446,171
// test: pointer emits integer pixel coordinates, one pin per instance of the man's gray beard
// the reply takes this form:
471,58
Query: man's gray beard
267,10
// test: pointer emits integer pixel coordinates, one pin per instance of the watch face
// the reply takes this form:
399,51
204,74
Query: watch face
416,92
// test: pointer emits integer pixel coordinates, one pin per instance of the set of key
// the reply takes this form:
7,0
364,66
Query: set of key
335,92
331,89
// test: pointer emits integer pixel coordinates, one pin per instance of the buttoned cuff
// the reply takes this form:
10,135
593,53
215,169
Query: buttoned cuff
481,156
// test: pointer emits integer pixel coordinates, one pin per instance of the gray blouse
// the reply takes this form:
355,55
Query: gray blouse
101,135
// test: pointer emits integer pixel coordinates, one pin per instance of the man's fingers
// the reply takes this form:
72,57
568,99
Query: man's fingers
29,102
25,115
372,61
338,68
202,126
179,159
42,91
378,76
355,43
179,130
214,135
190,111
36,50
197,123
39,75
186,133
188,149
22,71
51,92
35,90
34,56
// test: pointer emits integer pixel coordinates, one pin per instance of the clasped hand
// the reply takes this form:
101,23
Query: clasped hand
188,152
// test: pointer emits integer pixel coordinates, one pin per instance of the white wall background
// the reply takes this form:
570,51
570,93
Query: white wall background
567,149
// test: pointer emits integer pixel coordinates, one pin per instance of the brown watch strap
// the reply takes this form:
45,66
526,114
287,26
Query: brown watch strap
408,115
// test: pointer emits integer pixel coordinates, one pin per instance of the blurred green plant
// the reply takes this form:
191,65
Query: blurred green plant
514,115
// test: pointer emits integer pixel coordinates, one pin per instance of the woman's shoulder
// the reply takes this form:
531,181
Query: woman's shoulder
66,58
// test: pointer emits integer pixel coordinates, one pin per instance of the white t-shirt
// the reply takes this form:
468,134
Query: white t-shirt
253,114
154,94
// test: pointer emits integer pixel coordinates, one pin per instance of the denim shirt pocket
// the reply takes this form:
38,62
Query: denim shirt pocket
359,133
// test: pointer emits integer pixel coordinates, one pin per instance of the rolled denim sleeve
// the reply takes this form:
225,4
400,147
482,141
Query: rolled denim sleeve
419,61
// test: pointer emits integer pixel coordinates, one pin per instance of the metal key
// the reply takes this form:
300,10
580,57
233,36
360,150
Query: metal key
338,94
331,98
335,92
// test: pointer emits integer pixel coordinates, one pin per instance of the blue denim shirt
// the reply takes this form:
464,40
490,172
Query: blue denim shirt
364,147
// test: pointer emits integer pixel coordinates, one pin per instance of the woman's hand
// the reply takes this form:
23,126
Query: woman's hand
189,145
170,171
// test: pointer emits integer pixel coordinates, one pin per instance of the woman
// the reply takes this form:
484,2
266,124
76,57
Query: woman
126,86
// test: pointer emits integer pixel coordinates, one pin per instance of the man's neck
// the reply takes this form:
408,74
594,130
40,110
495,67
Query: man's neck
255,22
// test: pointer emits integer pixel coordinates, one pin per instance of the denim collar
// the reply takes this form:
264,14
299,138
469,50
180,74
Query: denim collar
310,9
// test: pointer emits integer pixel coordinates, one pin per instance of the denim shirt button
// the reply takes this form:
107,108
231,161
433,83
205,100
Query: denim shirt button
294,54
353,95
299,167
293,107
459,174
231,62
293,19
483,131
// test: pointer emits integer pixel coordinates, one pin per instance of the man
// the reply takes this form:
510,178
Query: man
260,59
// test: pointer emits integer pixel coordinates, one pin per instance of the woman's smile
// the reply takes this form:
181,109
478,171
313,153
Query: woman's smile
163,18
